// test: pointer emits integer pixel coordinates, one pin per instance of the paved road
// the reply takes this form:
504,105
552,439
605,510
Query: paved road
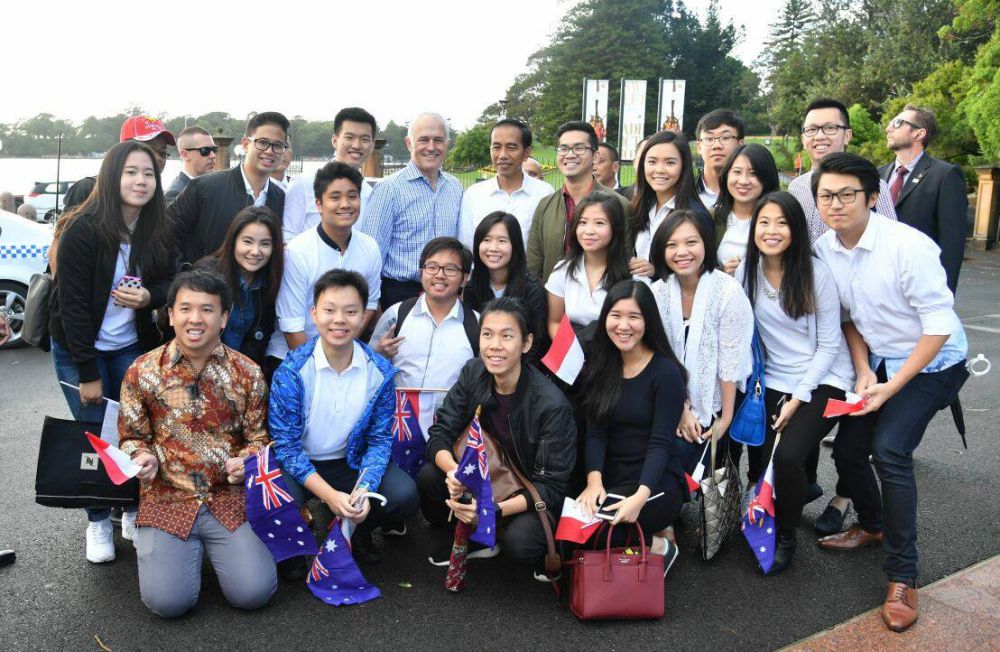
52,598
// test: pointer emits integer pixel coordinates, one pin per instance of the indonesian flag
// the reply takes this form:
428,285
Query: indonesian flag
694,479
119,466
574,525
835,408
565,356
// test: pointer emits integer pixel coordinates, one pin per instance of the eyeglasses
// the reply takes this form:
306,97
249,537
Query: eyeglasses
896,123
449,270
204,151
579,150
846,196
261,144
828,130
722,140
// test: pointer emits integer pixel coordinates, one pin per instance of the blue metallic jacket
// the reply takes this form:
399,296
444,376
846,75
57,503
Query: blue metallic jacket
370,442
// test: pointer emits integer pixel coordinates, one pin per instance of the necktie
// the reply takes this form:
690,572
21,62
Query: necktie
897,183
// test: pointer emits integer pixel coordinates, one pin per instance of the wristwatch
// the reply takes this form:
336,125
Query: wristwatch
498,511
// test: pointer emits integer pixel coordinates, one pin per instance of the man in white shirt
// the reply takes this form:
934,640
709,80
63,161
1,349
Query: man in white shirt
333,243
718,134
278,175
606,166
353,141
197,150
908,348
511,190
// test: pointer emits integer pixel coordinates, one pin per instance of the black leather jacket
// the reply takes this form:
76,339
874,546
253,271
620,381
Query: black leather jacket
541,424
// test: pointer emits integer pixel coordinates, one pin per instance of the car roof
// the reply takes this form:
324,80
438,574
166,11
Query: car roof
12,223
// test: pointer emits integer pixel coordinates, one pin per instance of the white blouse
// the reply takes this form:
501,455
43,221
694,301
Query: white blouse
717,346
734,240
644,239
582,305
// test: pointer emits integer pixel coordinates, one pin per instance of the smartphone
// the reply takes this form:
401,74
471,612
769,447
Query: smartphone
131,282
466,499
605,513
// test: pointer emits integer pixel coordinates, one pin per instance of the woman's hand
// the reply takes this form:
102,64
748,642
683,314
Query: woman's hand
134,298
640,267
628,509
729,267
92,392
591,497
689,428
465,512
785,415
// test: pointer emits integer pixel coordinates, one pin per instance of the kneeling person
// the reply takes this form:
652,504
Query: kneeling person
191,411
332,405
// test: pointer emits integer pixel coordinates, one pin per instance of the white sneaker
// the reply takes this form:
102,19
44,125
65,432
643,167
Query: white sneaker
128,526
100,542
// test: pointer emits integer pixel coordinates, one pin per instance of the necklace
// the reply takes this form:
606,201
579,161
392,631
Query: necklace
769,292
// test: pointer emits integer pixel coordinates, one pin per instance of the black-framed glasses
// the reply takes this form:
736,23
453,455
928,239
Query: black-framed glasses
204,151
896,123
578,149
722,140
261,145
846,196
828,130
449,270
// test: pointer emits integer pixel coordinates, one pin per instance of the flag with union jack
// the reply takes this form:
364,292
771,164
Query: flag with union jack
408,442
758,524
474,472
335,577
271,510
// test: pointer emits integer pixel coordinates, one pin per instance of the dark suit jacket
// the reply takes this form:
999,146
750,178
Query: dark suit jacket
203,212
177,186
933,201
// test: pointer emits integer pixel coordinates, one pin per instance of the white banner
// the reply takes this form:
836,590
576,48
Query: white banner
671,105
595,105
633,117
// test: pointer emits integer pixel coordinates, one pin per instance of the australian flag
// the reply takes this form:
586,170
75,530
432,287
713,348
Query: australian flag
408,443
473,471
758,522
334,576
271,510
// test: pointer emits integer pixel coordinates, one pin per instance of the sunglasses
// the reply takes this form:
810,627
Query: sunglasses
204,151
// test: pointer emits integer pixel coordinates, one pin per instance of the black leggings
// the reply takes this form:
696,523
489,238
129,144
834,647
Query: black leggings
799,441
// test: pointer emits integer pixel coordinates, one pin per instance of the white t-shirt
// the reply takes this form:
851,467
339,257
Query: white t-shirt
118,328
338,401
734,242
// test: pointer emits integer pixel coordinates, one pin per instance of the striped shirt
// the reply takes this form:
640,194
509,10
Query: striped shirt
405,213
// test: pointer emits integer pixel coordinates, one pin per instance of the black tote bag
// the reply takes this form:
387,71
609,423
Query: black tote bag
70,474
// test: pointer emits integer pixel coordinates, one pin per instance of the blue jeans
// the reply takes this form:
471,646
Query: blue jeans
112,366
890,436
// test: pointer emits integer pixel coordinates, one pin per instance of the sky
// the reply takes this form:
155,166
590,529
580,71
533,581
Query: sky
396,58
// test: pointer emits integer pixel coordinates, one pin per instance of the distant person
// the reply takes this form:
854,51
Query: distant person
606,166
510,191
278,174
937,207
412,207
143,128
629,191
206,208
7,201
353,142
28,211
718,134
533,169
826,129
197,150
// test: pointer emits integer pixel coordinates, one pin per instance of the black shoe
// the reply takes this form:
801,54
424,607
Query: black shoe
365,548
783,551
831,521
815,491
293,569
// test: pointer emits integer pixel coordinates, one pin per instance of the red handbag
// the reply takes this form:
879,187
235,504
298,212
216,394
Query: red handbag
611,585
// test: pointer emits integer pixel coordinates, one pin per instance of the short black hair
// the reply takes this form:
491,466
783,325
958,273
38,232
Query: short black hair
341,278
611,148
267,118
717,118
201,280
520,126
829,103
331,172
514,307
578,125
354,114
852,165
445,243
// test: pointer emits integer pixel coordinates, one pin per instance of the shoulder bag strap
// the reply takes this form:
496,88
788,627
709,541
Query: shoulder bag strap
553,562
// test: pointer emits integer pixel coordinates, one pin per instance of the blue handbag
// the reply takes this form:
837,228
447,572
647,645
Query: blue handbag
750,421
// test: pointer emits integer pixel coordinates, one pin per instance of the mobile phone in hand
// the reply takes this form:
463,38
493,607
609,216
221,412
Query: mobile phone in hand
603,511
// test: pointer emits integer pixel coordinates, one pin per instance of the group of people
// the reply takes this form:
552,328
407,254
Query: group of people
243,310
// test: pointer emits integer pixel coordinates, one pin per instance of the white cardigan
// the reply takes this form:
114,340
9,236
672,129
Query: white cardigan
718,342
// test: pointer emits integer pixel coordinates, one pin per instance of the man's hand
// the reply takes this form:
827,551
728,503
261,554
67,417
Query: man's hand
455,488
464,512
150,465
235,470
388,346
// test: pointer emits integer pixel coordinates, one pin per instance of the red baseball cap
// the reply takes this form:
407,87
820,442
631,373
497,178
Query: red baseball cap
145,128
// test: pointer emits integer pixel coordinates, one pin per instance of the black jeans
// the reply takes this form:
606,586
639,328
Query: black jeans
655,515
890,436
522,538
799,441
394,291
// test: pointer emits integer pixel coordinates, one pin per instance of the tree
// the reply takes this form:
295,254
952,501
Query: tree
869,137
471,148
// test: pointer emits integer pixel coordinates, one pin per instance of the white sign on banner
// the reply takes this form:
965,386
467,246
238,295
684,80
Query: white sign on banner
595,105
671,111
633,117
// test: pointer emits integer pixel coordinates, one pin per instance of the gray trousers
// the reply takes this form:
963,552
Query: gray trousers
170,567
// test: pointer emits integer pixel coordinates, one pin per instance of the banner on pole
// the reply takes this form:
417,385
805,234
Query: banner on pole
671,105
595,105
633,117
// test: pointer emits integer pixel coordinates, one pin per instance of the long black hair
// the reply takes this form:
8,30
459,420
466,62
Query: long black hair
605,378
226,254
644,198
761,161
150,251
658,248
617,258
796,293
517,268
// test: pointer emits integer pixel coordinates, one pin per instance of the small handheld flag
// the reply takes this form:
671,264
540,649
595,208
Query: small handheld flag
473,471
758,524
271,511
565,356
334,576
408,442
119,466
574,525
835,408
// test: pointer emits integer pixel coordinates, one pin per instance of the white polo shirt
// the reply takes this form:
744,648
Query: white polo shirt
337,403
301,213
485,197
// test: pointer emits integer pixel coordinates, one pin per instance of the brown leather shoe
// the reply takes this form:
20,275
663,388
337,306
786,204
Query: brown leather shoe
900,608
852,539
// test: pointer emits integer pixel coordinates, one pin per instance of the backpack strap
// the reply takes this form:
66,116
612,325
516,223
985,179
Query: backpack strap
469,322
405,308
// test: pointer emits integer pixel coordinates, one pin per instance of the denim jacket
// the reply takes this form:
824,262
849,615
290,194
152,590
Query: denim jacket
370,441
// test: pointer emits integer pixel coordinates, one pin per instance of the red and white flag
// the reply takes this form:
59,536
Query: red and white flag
836,408
565,356
694,479
119,466
574,525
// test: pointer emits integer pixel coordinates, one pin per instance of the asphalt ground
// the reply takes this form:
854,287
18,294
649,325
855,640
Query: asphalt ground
52,598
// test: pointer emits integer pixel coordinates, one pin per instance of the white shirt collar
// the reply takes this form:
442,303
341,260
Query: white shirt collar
357,358
867,239
454,313
246,184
